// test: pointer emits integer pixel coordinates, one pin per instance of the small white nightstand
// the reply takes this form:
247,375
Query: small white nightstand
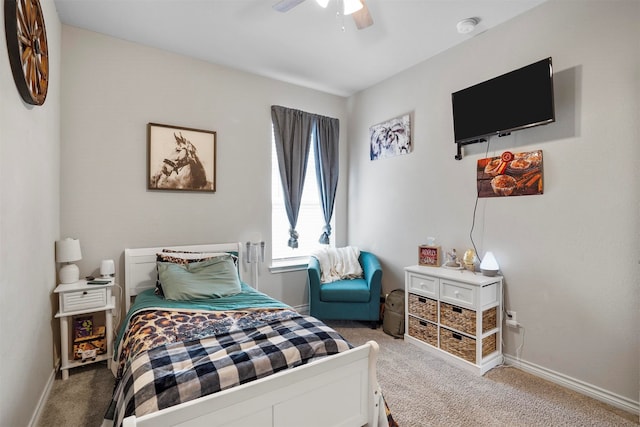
81,298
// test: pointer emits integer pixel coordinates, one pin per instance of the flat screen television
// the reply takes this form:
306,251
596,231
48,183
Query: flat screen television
516,100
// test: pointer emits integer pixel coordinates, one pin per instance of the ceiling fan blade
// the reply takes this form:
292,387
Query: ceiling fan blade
286,5
362,17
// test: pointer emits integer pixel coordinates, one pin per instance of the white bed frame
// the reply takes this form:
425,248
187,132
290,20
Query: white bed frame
340,390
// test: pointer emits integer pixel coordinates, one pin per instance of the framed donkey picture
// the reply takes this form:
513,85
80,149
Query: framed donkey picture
180,158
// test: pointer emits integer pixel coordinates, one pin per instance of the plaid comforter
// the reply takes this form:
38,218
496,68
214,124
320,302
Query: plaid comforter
236,348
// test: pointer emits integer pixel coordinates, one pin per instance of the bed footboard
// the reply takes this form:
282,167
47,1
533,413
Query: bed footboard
340,390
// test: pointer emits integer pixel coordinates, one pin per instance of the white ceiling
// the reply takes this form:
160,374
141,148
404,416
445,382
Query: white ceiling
305,46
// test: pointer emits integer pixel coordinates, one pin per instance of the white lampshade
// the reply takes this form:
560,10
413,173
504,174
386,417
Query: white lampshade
323,3
107,268
351,6
489,266
67,251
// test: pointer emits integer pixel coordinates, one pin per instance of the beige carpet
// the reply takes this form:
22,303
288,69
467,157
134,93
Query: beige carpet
421,390
80,401
424,390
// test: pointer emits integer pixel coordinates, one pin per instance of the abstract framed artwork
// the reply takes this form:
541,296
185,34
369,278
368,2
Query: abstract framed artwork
390,138
510,174
180,158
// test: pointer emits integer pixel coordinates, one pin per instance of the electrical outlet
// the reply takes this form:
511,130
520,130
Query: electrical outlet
511,319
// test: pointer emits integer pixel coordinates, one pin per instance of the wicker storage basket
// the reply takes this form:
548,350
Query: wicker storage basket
489,345
458,318
424,308
458,345
424,331
489,319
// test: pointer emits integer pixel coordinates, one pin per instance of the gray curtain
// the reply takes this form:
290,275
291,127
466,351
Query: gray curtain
327,134
292,133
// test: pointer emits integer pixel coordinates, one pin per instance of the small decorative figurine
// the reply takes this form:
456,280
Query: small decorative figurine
452,260
469,260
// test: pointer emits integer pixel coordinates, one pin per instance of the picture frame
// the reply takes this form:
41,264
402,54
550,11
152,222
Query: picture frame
511,174
180,158
429,256
391,138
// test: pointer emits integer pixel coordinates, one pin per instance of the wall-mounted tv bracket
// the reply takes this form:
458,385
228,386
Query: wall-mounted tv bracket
474,141
460,144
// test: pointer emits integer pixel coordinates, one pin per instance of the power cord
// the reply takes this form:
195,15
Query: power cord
475,207
504,314
519,349
504,310
516,325
116,313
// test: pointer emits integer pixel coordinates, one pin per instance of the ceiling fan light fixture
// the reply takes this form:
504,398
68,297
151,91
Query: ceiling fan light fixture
323,3
467,25
351,6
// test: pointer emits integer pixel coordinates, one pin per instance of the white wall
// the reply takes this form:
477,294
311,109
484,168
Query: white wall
112,89
570,257
29,226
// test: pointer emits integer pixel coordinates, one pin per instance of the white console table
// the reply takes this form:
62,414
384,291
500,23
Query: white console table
455,314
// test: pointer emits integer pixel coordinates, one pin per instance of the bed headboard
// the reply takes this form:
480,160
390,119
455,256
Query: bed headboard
140,265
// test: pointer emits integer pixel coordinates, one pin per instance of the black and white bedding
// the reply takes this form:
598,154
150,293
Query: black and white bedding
171,351
252,345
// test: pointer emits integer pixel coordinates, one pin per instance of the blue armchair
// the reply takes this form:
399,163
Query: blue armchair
350,299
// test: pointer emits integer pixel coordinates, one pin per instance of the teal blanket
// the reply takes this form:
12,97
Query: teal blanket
248,298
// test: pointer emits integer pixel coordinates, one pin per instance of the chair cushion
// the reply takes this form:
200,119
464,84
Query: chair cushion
352,290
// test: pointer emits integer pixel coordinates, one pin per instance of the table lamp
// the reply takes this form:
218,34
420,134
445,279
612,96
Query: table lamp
489,265
107,268
67,251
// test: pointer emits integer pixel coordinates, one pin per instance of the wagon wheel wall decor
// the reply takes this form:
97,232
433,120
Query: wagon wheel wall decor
27,46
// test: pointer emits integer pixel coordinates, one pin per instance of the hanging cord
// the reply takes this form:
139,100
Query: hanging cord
519,349
115,320
475,207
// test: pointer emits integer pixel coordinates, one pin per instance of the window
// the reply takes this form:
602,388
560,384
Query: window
310,217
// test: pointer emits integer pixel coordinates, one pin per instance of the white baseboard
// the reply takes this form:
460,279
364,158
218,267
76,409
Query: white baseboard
43,400
576,385
302,309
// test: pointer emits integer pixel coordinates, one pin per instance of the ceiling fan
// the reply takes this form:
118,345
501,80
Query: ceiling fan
356,8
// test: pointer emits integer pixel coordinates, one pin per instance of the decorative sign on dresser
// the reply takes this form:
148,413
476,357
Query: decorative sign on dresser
429,255
455,314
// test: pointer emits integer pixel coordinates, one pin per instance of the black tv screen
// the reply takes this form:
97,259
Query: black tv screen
519,99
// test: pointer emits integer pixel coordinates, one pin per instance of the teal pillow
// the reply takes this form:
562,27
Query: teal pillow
212,278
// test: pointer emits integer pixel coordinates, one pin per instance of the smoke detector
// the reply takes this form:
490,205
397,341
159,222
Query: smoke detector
467,25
